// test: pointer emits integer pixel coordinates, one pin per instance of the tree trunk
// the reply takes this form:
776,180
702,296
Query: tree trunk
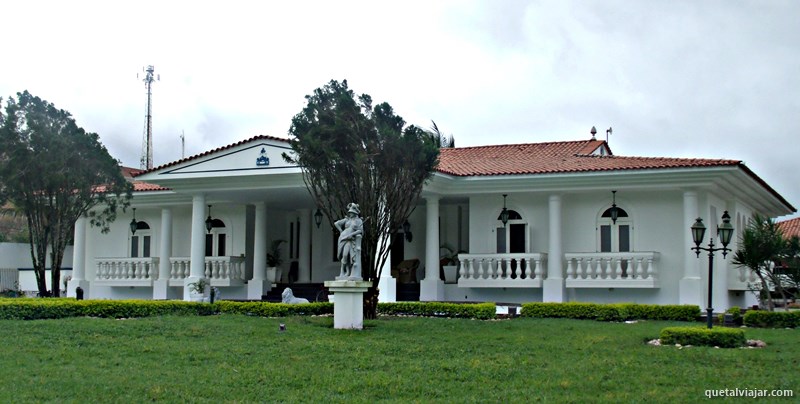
371,302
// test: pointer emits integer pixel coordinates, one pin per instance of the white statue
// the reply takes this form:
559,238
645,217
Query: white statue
351,230
288,297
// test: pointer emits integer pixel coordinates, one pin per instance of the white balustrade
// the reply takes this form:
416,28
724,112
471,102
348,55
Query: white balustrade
517,270
179,267
222,271
126,269
612,270
742,278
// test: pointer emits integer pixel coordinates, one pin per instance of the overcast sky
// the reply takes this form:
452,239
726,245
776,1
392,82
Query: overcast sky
713,79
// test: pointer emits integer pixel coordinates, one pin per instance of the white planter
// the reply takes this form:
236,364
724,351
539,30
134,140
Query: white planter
450,273
204,297
271,272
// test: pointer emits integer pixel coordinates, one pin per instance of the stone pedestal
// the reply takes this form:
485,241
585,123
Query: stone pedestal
160,289
431,289
348,308
554,291
387,289
257,288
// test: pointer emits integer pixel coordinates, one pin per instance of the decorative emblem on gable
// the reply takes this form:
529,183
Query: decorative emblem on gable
262,160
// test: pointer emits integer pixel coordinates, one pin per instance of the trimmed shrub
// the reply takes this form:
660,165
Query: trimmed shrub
721,337
772,319
481,311
611,312
264,309
34,309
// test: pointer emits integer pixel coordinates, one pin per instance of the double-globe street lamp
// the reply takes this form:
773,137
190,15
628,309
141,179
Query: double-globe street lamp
725,232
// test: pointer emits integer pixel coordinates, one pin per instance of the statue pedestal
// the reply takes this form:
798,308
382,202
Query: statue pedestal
348,307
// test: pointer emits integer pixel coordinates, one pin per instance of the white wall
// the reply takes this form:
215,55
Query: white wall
18,256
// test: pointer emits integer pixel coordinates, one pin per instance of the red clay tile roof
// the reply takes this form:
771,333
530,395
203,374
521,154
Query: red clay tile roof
553,157
139,186
259,137
790,227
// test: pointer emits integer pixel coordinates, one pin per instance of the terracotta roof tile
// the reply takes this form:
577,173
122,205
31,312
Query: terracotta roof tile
554,157
790,227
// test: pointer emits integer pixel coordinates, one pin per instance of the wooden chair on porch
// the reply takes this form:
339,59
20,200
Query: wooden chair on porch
406,271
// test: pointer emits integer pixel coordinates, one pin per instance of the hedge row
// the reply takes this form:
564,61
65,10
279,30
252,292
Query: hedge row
263,309
721,337
34,309
611,312
482,311
772,319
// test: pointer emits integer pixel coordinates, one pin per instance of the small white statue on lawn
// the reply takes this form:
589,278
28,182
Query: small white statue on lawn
351,230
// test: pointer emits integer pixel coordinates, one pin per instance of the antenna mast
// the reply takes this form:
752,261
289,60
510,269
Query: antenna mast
183,145
147,142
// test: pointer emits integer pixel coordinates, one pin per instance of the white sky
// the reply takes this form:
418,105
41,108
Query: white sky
713,79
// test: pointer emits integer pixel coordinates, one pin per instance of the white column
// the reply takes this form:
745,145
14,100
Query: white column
554,284
304,258
432,288
258,285
161,285
690,286
79,260
387,286
197,251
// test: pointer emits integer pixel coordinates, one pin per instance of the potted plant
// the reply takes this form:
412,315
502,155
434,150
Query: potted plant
199,290
449,263
274,261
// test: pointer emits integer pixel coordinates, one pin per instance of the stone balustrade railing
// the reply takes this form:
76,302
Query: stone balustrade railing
612,270
517,270
742,278
126,269
216,268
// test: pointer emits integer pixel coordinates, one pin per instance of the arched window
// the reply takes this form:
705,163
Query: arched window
511,238
140,242
216,239
615,237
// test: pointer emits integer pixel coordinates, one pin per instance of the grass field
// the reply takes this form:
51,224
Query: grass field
231,358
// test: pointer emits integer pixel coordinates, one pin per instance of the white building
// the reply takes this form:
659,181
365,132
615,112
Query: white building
559,244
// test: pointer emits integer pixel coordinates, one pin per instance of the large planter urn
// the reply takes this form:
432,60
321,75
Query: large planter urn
195,296
273,274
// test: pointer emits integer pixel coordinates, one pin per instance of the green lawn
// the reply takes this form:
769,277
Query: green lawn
231,358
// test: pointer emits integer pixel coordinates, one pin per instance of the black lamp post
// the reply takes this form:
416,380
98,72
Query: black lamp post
134,224
504,212
318,218
725,232
209,220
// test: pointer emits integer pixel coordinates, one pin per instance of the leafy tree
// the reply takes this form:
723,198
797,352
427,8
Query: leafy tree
54,172
761,248
352,151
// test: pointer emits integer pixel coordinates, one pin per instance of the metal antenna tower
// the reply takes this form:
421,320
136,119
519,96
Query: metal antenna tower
147,142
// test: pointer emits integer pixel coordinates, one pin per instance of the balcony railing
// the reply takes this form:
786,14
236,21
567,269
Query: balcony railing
126,271
221,271
612,270
742,278
518,270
